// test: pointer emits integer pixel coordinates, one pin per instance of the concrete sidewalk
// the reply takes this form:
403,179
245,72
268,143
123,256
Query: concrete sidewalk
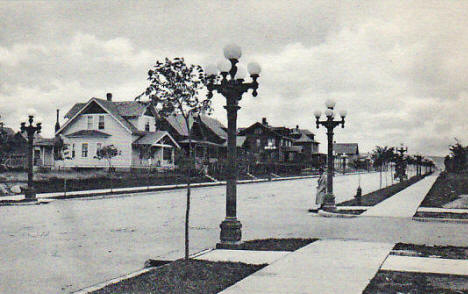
328,266
404,203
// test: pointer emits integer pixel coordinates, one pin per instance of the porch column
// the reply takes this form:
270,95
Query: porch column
42,150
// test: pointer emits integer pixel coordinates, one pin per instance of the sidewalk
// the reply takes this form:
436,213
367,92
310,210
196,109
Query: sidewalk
404,203
336,266
328,266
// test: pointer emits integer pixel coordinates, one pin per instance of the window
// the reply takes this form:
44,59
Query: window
271,142
258,143
147,126
84,150
101,122
90,122
73,150
98,147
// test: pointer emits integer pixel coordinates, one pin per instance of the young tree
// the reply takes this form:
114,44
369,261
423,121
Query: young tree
107,153
381,157
173,89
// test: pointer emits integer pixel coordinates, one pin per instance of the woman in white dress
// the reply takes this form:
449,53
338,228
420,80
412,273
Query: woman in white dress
321,188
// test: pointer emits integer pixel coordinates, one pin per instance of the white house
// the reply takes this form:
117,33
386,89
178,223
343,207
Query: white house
128,125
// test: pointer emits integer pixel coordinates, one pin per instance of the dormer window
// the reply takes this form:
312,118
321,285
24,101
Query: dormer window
101,122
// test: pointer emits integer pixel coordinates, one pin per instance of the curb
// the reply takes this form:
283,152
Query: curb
119,191
335,214
130,275
440,220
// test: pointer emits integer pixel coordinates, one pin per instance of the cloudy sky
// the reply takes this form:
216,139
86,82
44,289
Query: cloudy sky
400,68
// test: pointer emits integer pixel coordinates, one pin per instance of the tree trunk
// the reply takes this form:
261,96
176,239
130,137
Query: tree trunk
380,176
187,207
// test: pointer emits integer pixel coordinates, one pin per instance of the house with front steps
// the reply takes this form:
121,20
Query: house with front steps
128,125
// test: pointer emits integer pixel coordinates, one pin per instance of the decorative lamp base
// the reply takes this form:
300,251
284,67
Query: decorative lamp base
231,233
329,202
30,194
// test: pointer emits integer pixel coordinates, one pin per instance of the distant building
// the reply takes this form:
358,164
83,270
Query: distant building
280,144
208,134
14,150
345,153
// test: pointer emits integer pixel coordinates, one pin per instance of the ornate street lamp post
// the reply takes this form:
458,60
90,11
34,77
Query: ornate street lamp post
329,123
30,130
400,168
230,83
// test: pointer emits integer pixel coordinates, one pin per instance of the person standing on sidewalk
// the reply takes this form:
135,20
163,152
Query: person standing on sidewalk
321,188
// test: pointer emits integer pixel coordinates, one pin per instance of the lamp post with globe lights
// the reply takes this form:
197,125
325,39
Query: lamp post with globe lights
30,130
400,168
228,79
329,123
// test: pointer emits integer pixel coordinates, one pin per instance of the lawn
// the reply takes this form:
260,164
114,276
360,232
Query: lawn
447,188
449,252
192,276
390,282
373,198
197,276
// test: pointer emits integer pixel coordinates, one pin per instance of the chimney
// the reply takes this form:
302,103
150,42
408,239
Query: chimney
109,96
57,123
264,121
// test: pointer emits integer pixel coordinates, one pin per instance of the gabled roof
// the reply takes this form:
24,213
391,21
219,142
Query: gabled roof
123,108
74,110
266,127
119,110
131,108
213,124
304,139
88,133
8,131
346,148
178,123
151,138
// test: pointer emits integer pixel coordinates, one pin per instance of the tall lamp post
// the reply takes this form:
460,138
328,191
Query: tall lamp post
30,130
329,123
230,83
400,168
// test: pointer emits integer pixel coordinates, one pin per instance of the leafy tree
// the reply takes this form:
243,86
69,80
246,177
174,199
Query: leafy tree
173,89
107,153
3,140
458,156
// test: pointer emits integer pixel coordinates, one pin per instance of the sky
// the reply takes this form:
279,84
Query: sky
399,68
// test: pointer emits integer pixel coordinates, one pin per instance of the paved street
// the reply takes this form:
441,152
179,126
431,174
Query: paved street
68,245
